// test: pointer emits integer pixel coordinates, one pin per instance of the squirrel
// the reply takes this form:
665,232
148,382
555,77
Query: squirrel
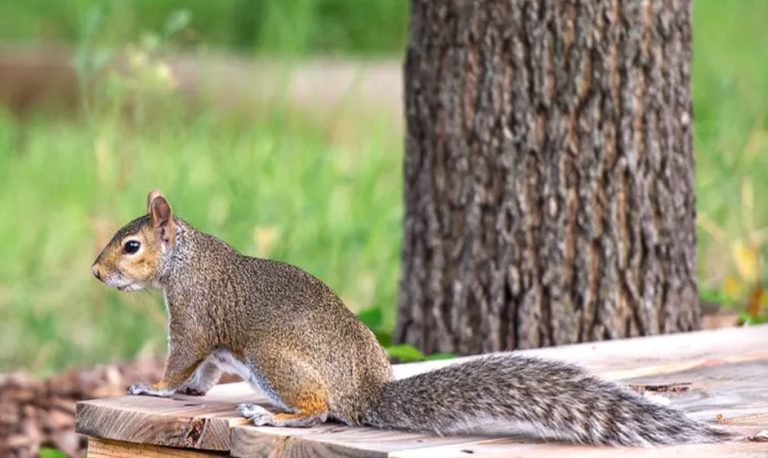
286,333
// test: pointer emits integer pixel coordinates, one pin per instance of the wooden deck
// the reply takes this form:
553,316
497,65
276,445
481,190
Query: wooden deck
722,377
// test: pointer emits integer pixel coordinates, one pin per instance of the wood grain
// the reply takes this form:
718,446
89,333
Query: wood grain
182,421
506,447
625,358
333,440
103,448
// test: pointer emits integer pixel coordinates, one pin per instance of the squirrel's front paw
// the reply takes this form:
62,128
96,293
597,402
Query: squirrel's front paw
138,389
141,388
256,413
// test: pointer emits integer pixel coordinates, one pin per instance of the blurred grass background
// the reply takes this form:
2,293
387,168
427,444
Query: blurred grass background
320,192
273,27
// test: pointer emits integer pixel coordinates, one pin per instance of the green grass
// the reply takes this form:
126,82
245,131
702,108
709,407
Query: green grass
730,102
288,27
283,186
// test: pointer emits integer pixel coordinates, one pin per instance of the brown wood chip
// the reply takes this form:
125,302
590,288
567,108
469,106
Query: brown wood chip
662,388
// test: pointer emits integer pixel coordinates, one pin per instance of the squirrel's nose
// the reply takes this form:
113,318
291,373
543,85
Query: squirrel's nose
96,273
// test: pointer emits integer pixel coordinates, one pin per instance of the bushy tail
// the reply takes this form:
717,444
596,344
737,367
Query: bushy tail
505,393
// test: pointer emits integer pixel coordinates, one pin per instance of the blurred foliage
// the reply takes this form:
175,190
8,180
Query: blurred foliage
283,186
294,27
730,104
279,189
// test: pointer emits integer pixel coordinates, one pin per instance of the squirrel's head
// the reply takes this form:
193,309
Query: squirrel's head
131,260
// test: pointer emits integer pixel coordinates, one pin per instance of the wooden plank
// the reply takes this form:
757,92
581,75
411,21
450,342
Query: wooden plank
104,448
507,447
730,387
736,393
625,358
181,421
726,369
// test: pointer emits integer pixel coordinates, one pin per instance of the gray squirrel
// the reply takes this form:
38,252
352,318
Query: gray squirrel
287,333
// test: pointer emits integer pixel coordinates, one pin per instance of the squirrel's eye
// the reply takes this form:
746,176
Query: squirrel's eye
131,246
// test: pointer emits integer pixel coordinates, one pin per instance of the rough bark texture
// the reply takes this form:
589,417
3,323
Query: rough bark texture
548,173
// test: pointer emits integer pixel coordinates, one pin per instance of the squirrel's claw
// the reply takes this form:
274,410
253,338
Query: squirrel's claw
191,391
256,413
141,388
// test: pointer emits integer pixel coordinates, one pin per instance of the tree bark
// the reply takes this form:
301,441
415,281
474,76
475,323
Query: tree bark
548,174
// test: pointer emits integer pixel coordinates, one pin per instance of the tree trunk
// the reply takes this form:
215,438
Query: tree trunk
548,174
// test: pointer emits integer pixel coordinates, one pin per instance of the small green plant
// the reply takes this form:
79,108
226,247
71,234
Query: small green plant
51,453
405,353
114,82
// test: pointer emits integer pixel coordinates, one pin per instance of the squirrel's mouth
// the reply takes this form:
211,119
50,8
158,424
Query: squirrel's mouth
121,283
129,287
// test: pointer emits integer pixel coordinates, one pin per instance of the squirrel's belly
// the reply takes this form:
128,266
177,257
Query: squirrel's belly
227,362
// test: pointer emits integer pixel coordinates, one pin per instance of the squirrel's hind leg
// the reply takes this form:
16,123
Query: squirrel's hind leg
305,408
295,388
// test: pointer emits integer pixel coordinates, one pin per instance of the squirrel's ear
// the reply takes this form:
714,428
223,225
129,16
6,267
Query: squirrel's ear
151,196
160,214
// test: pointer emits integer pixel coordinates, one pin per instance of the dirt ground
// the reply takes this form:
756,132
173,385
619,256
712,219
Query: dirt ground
45,77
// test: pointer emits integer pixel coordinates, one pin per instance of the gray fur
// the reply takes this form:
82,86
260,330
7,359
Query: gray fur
551,398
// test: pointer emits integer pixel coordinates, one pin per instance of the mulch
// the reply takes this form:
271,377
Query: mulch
37,413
